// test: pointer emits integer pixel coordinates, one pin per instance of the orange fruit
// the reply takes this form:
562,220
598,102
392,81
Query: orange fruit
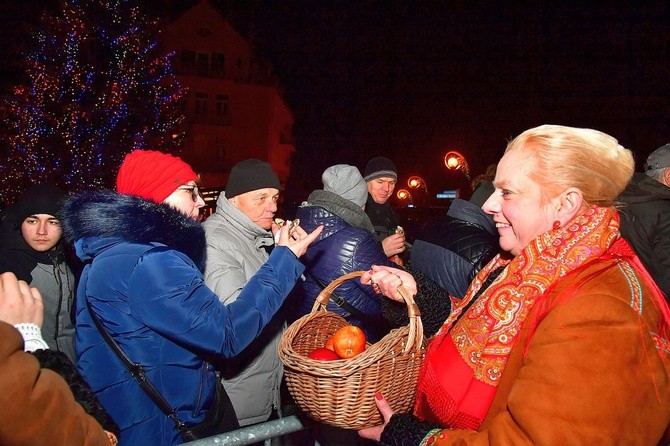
348,341
329,344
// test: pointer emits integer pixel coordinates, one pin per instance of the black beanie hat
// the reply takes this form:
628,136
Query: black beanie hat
380,167
251,174
38,199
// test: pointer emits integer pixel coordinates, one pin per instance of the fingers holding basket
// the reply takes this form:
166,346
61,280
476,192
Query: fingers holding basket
375,432
386,280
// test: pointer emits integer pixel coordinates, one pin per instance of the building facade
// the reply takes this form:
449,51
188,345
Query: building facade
234,107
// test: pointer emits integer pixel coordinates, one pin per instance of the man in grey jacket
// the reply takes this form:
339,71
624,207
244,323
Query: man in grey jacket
239,236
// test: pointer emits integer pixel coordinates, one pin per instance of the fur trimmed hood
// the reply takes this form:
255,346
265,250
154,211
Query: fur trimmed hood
109,215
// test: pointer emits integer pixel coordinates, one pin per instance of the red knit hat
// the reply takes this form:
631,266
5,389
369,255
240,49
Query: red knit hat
152,175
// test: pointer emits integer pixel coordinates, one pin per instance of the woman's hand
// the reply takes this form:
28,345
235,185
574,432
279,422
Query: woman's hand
375,433
297,240
386,280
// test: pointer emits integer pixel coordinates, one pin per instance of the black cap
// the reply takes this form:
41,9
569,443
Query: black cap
38,199
251,174
380,167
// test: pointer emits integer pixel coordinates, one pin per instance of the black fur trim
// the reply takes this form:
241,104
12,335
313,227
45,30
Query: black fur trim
61,364
433,302
405,429
109,214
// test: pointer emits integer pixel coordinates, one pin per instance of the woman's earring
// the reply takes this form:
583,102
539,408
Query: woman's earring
557,224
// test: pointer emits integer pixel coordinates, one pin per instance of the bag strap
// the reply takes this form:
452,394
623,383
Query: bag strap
138,373
339,301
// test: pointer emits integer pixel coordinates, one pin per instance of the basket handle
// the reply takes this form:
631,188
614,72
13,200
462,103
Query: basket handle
415,338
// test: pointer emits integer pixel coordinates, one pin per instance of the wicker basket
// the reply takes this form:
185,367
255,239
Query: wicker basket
342,392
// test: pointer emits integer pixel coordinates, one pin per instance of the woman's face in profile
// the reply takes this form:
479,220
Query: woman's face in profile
187,200
516,204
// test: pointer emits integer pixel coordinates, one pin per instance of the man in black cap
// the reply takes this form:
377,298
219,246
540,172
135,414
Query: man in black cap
31,248
381,177
239,237
645,221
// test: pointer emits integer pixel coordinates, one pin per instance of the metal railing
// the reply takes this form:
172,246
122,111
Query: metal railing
258,432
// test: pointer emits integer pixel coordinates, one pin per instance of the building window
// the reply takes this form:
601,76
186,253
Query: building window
219,150
218,64
203,64
204,32
188,61
201,100
222,104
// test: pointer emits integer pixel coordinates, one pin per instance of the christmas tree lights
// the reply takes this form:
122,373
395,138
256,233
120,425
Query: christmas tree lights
99,88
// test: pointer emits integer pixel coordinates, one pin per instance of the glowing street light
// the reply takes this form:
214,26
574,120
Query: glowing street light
416,182
456,161
404,196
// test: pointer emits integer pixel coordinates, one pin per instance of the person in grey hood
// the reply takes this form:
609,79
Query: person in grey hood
31,248
346,244
239,238
645,218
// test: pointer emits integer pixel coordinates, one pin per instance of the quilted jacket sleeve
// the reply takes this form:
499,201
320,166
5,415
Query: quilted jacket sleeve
168,294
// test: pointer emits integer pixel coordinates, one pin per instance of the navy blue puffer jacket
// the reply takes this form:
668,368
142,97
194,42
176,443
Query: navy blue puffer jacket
143,280
340,249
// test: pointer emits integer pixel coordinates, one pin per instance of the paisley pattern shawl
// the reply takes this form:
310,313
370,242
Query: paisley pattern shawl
476,348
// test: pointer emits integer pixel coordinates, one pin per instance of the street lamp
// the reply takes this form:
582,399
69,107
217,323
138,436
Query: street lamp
404,196
416,182
456,161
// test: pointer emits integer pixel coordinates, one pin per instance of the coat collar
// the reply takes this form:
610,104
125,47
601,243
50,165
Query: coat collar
109,215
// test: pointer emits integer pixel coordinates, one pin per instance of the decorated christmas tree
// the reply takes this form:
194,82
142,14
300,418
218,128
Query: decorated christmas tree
99,87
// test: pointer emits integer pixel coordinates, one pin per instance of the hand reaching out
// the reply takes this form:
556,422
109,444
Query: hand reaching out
386,280
19,303
297,240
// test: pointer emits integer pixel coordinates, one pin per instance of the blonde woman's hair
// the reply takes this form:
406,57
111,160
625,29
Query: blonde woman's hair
592,161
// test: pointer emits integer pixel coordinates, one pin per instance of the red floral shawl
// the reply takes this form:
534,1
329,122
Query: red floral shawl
465,361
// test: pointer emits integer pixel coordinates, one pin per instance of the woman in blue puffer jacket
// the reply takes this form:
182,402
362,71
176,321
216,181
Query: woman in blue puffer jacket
346,244
145,252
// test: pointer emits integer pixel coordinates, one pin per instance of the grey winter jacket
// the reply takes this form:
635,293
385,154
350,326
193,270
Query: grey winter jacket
50,274
236,250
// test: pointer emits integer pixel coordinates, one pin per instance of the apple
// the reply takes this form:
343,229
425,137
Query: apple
323,354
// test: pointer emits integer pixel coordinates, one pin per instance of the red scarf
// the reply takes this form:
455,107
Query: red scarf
465,361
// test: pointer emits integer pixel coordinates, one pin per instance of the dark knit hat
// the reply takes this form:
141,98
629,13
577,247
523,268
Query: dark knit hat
380,167
251,174
347,182
659,159
152,175
38,199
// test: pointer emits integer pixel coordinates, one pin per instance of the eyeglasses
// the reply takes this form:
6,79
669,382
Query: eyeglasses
195,192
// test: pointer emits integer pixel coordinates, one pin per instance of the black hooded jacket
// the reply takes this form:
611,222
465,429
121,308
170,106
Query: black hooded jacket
47,271
645,224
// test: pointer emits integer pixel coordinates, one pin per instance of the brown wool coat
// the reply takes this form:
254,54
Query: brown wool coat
36,405
591,375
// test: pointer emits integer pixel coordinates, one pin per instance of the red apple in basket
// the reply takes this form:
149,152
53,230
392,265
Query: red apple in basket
323,354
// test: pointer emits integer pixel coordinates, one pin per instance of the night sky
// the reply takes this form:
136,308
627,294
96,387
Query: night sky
412,81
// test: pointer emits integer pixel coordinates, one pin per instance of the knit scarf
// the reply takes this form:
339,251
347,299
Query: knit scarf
465,360
345,209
